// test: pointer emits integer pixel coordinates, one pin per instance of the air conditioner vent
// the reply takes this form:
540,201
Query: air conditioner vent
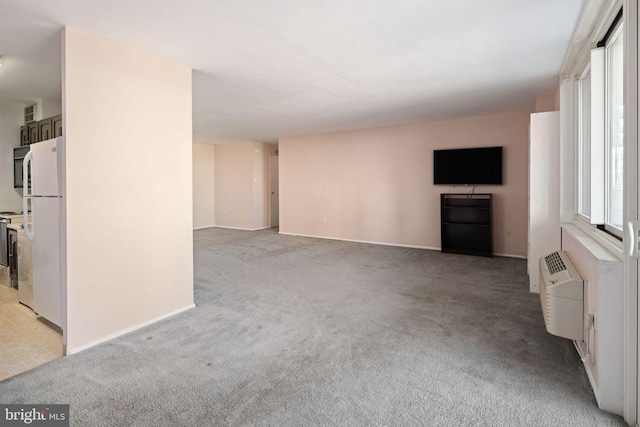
555,263
30,113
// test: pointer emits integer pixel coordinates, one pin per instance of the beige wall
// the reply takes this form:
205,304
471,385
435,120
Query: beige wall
129,199
204,203
11,118
549,101
233,188
242,184
49,108
377,185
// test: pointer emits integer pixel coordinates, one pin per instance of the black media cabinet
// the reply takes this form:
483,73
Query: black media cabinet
466,222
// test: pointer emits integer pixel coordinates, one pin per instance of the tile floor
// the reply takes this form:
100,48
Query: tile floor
26,341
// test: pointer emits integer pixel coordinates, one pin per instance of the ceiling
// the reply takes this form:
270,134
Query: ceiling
277,68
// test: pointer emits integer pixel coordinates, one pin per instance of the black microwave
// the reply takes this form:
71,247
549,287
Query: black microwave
18,159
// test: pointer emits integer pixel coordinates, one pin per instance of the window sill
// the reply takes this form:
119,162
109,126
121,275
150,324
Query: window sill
608,242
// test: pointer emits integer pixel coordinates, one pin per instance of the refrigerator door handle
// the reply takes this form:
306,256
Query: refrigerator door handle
26,187
26,194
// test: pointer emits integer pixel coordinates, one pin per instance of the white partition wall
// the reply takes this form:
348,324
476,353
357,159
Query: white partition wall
129,199
544,191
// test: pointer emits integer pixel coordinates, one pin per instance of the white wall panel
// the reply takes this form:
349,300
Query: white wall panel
544,191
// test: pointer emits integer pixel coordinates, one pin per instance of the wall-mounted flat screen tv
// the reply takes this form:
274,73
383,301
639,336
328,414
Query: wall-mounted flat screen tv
468,166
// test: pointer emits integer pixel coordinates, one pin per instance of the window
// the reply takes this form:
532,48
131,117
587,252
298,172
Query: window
584,135
615,132
600,126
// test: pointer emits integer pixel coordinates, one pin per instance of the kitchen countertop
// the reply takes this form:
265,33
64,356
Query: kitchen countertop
15,219
11,216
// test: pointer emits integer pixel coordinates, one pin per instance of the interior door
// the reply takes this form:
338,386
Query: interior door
274,200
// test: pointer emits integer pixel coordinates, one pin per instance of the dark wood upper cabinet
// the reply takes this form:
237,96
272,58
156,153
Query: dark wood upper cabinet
56,124
24,135
33,132
45,129
41,130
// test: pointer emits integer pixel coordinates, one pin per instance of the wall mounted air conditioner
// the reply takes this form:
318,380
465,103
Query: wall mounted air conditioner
562,296
30,113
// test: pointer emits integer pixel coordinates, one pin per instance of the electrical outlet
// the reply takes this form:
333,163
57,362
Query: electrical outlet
324,219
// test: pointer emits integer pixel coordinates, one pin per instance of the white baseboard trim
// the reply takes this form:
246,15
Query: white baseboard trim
512,256
360,241
203,227
400,245
127,330
240,228
432,248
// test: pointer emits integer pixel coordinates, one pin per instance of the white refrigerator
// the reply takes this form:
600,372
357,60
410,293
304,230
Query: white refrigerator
43,163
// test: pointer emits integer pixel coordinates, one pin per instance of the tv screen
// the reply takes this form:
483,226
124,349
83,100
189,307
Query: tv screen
468,166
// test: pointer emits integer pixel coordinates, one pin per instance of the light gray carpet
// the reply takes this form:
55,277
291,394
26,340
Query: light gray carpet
293,331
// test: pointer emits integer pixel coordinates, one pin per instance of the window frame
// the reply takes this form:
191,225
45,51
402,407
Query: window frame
586,70
615,33
592,58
